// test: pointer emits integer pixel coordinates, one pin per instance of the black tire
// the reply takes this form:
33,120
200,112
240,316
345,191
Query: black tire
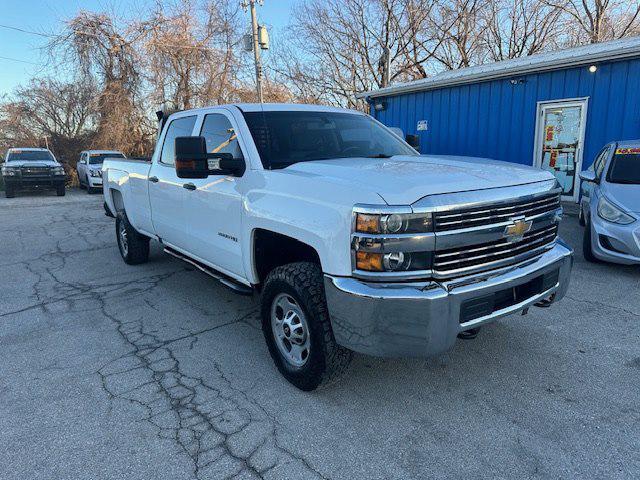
581,217
587,248
9,191
80,184
134,247
326,360
61,191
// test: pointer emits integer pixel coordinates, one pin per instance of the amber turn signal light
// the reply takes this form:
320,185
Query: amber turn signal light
371,262
366,223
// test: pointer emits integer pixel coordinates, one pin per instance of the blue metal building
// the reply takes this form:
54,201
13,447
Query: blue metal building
554,110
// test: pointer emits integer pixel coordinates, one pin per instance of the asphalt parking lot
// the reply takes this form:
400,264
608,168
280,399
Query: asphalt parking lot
158,372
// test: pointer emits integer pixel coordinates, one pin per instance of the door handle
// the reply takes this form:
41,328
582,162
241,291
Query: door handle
153,179
189,186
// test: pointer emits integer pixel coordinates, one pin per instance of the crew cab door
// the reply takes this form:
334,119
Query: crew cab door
214,206
166,191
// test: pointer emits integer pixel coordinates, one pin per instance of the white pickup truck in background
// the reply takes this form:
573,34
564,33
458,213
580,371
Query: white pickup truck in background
354,240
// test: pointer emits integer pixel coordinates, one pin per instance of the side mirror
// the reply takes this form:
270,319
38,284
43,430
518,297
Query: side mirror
413,140
193,161
588,176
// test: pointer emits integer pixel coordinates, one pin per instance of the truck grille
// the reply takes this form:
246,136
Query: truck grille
35,171
494,254
480,216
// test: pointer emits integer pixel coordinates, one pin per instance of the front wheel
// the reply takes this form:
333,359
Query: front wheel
9,191
60,191
133,246
297,328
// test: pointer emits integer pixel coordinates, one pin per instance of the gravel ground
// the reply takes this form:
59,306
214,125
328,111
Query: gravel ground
158,372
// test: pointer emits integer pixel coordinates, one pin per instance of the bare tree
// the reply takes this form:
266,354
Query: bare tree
190,51
64,114
593,21
516,28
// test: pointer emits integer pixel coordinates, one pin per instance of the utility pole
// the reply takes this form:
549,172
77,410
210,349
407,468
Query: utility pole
256,46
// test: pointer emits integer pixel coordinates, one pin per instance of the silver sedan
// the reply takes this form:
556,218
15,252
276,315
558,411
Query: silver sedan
610,204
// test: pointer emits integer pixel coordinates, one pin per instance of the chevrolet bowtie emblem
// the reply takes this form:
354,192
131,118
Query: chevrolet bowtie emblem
516,230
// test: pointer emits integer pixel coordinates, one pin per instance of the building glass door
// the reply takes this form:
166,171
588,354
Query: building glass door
560,141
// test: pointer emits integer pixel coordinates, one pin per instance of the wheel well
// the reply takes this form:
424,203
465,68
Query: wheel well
271,250
118,202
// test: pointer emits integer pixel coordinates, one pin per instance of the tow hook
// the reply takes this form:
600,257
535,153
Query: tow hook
546,303
469,334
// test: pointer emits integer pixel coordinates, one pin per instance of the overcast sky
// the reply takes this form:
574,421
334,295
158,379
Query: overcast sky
46,16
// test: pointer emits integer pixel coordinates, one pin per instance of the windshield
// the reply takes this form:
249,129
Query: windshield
29,155
285,138
98,159
625,166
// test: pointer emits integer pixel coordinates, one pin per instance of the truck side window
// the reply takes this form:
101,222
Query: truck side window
220,136
180,127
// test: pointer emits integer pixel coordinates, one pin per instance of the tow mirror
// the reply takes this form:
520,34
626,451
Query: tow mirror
413,140
588,176
193,160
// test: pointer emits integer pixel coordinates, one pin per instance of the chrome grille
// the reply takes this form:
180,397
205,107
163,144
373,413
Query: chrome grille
471,259
35,171
488,215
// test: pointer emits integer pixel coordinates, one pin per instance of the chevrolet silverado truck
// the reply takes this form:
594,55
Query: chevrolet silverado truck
354,241
26,168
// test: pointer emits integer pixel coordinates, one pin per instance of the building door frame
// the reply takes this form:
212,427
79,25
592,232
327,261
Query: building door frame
542,106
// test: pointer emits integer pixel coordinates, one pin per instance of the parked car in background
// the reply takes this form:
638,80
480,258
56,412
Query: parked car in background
354,240
26,168
610,204
89,168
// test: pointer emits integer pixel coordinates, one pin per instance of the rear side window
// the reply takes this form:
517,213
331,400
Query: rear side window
180,127
220,135
625,166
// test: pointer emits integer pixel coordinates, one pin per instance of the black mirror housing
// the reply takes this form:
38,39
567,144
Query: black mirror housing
413,141
193,161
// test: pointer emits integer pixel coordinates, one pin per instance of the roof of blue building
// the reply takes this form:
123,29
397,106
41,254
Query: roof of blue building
570,57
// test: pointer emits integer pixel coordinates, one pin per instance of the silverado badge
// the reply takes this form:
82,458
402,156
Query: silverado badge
515,231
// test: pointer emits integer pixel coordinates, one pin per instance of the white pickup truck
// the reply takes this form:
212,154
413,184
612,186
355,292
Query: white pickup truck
354,240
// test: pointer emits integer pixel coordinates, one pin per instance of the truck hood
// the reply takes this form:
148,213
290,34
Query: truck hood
626,196
32,163
403,180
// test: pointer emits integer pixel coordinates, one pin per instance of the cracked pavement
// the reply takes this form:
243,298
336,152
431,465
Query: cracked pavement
157,371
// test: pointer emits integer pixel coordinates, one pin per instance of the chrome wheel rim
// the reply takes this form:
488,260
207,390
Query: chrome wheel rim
290,330
124,242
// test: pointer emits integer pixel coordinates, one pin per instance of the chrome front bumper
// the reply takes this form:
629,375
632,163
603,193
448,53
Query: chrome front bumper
423,319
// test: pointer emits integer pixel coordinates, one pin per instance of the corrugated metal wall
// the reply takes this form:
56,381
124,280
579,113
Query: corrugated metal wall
497,119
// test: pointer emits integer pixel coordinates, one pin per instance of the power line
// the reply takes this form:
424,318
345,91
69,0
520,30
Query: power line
18,60
27,31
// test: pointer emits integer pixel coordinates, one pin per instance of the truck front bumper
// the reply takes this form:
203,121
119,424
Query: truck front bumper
30,182
424,319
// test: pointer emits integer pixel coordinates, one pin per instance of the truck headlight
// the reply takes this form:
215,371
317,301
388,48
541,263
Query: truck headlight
95,173
395,244
10,171
611,213
394,223
58,170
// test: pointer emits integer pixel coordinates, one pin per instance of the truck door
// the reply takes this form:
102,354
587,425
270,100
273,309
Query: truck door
213,208
166,191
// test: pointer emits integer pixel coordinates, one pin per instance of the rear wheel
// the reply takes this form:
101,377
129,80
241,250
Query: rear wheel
587,247
9,191
133,246
60,190
581,217
297,328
